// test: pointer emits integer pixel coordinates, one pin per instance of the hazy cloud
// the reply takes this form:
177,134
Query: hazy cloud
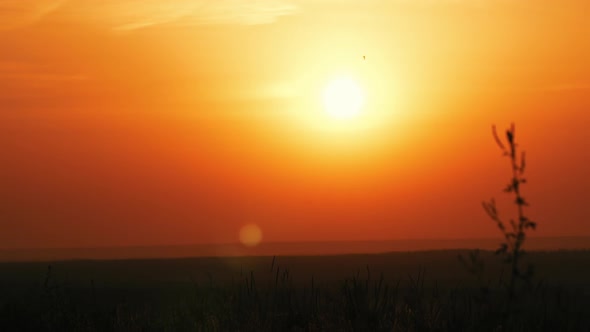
568,87
23,71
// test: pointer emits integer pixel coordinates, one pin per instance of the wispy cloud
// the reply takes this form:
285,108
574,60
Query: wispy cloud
138,14
18,13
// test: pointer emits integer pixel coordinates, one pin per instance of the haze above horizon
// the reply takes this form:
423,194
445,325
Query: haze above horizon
132,123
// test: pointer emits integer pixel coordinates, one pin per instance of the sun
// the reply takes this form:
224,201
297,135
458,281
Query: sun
343,98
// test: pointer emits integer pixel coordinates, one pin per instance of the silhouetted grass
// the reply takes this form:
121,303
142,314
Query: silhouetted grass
401,293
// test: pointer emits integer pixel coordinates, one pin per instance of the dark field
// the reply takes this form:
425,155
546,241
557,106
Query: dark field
411,291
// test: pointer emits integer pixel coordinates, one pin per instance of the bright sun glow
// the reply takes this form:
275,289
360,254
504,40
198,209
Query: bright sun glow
343,98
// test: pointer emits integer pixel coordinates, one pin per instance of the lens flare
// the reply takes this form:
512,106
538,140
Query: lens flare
250,235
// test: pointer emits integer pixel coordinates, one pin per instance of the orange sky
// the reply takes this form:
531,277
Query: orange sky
143,122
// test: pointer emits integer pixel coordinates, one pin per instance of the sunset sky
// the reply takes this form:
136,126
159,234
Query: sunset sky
128,122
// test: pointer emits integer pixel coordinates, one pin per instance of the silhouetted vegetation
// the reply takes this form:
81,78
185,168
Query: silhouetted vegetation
391,293
514,231
515,235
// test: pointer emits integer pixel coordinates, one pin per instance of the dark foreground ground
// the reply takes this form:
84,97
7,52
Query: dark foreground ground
412,291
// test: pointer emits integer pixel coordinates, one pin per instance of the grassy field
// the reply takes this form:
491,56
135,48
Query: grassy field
403,291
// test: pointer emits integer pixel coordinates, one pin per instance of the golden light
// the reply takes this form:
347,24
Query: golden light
343,98
250,235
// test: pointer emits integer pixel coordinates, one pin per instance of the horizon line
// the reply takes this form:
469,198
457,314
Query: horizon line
283,242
